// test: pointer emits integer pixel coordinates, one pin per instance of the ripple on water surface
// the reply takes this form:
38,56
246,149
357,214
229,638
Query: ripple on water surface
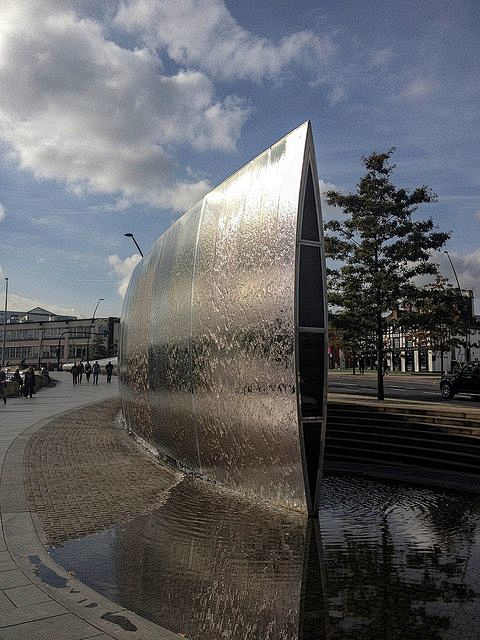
385,561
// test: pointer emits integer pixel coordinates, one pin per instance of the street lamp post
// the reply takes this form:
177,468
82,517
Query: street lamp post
64,333
91,327
130,235
463,310
5,322
42,333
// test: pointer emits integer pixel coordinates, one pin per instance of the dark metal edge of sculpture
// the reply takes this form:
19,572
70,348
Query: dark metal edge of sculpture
312,420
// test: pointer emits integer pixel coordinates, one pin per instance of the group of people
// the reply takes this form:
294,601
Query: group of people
26,385
88,369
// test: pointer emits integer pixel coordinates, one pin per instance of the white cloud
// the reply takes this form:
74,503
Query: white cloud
25,303
329,212
470,266
417,89
468,270
18,302
204,34
381,58
336,95
3,213
79,108
123,269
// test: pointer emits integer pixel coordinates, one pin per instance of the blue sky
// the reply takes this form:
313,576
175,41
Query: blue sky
116,117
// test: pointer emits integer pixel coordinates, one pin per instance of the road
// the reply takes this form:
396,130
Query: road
403,387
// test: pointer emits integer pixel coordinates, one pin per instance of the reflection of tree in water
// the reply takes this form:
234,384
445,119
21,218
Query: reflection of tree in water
211,564
375,590
455,516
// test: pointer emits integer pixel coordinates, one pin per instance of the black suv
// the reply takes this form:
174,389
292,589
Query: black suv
467,380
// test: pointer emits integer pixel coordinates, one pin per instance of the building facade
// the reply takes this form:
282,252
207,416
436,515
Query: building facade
53,341
413,351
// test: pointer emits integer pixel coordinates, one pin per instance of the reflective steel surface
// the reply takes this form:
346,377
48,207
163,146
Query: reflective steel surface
387,562
222,356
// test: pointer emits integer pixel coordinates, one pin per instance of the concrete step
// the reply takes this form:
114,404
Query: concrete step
373,457
416,429
406,415
454,443
434,439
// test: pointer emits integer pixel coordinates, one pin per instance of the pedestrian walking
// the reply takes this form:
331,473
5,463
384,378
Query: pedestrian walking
385,367
3,385
81,369
109,369
19,380
74,372
88,371
95,371
361,364
29,382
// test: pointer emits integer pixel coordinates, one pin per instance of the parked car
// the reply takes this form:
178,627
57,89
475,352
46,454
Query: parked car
467,380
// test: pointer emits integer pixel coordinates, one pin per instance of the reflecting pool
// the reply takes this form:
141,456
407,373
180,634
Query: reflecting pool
385,561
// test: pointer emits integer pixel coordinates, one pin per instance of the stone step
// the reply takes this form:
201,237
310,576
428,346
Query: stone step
338,454
448,419
437,440
416,429
418,439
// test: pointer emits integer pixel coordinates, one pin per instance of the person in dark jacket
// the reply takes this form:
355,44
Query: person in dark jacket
3,385
109,369
29,382
18,379
95,371
88,371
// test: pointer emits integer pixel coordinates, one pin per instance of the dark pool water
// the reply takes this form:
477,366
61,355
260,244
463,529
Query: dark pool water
384,561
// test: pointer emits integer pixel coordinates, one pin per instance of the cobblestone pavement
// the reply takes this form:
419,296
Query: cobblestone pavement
84,473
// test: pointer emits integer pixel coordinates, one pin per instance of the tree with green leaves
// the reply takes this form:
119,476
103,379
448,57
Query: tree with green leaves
354,333
98,349
380,248
437,312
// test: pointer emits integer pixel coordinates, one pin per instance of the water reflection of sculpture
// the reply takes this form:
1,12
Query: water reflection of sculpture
242,575
386,566
223,332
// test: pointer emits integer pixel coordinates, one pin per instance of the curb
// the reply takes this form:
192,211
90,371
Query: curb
93,614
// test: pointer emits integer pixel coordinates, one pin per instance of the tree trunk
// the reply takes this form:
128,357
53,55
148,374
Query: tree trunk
380,390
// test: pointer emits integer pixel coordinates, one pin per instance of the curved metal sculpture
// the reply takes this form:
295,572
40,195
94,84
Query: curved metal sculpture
223,334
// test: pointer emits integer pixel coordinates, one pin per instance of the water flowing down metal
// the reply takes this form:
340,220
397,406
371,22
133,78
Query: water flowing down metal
223,333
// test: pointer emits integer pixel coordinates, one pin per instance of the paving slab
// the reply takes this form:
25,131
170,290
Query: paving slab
38,599
12,578
34,612
62,627
5,602
26,595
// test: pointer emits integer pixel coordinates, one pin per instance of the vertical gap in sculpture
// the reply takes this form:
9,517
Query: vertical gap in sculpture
311,340
312,437
310,219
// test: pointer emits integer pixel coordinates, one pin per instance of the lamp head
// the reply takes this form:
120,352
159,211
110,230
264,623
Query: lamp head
129,235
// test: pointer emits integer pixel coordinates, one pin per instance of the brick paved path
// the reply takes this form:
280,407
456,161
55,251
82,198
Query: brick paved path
84,473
